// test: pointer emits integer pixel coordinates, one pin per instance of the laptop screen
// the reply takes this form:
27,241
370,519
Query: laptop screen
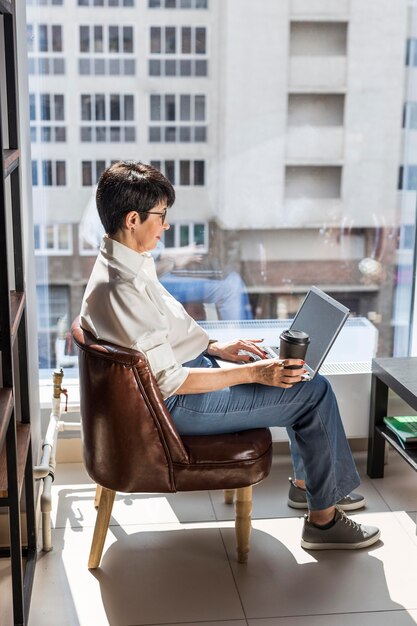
321,317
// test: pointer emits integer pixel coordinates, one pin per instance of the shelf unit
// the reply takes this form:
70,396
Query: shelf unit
16,467
398,374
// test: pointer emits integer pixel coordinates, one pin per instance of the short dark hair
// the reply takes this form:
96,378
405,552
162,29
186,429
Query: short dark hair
130,186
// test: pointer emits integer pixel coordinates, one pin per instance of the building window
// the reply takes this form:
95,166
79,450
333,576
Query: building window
53,239
51,174
91,172
45,39
108,112
35,173
411,52
45,2
113,39
101,41
183,234
177,118
407,180
43,65
47,108
183,172
178,4
410,115
178,51
106,3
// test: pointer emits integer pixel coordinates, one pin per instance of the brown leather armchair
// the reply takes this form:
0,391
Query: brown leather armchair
130,443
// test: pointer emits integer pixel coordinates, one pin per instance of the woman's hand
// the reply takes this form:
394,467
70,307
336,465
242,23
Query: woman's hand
231,351
267,371
278,372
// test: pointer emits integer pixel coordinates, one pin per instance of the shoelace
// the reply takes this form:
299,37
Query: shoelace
347,520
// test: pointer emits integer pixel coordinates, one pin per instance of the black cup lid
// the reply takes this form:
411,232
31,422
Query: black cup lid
295,336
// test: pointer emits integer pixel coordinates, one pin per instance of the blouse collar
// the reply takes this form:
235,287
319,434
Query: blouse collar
130,259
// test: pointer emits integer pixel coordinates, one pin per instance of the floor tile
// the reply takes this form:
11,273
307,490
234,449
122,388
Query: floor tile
399,486
407,519
146,577
64,591
390,618
153,551
381,578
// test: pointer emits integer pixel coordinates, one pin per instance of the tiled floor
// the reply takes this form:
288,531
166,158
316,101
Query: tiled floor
170,560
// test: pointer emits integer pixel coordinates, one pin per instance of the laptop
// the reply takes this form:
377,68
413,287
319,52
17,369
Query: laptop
322,317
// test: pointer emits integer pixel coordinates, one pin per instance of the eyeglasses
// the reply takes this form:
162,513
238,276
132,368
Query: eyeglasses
162,214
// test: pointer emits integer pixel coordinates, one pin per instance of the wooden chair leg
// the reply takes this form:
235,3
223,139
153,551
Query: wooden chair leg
100,529
97,496
229,496
243,509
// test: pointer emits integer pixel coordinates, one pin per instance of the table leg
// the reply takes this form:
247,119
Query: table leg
376,443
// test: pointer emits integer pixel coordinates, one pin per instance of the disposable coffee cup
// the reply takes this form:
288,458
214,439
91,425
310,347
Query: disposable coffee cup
293,344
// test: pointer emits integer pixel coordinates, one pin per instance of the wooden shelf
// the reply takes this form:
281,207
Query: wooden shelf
10,157
16,485
22,446
6,406
17,306
409,455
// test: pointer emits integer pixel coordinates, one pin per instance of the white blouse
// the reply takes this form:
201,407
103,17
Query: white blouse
125,303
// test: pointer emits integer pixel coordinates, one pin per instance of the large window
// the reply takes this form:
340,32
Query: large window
289,136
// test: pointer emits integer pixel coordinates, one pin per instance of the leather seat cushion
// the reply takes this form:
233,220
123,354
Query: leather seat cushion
236,460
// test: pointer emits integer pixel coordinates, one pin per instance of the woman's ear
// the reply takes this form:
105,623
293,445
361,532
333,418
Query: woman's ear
131,220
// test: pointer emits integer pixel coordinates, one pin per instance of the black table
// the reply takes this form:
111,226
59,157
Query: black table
400,375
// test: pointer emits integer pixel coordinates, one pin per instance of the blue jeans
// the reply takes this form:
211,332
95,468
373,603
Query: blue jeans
308,409
228,294
297,461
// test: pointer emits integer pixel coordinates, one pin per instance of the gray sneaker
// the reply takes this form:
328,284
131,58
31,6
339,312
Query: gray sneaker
344,534
297,499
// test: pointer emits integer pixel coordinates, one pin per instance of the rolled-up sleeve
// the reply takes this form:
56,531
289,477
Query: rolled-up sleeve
168,373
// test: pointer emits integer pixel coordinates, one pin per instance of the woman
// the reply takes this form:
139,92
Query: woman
125,303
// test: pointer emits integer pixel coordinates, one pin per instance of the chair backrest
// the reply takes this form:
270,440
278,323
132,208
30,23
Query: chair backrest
129,440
